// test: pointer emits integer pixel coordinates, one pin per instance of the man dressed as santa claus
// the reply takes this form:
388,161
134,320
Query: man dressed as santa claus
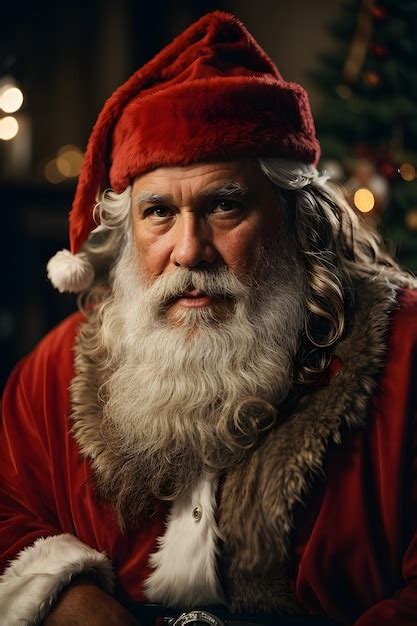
225,429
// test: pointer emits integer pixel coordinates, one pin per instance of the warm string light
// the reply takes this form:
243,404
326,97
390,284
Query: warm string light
11,99
52,174
69,161
9,127
364,200
67,164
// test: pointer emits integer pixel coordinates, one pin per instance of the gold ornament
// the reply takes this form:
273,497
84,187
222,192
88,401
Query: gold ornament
407,172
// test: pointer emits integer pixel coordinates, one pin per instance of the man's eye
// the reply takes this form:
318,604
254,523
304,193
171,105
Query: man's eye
224,206
159,211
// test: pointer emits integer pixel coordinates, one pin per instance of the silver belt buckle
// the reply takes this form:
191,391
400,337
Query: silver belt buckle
195,617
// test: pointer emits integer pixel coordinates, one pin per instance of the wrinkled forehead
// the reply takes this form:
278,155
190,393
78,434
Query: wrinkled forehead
234,178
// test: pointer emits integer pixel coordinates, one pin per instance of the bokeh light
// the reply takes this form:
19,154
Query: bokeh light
364,200
407,172
11,99
372,79
9,127
63,166
69,160
52,174
411,219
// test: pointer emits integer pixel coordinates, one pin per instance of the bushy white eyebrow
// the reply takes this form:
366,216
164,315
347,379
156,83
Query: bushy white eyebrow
229,190
146,197
225,191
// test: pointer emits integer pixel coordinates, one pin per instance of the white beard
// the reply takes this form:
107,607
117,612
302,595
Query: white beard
194,393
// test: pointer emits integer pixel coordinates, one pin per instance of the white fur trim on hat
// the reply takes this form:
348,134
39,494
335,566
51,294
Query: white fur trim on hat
70,272
33,580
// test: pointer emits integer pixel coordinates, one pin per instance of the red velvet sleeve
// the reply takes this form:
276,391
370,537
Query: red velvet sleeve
401,608
35,391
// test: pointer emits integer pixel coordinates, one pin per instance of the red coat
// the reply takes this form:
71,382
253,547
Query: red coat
355,545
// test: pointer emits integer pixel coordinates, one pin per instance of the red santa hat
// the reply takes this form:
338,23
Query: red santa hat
212,94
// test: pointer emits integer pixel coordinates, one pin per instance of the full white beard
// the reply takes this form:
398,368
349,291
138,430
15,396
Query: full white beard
195,393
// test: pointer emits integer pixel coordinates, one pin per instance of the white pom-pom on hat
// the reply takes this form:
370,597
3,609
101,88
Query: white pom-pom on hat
70,272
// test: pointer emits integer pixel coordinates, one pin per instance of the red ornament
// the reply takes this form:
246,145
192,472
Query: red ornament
388,169
379,50
379,13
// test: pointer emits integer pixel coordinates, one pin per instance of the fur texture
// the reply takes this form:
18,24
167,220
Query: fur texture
70,272
212,92
221,117
185,564
257,549
32,582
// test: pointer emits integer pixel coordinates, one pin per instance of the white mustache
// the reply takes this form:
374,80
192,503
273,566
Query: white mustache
218,283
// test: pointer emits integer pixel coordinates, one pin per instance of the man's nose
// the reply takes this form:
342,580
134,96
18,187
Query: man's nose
193,243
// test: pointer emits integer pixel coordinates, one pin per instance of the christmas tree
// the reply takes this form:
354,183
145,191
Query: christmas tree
367,124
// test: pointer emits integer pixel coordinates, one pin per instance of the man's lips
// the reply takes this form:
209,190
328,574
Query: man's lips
194,299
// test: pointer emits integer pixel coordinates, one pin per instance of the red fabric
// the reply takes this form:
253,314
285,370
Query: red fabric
355,541
211,94
356,547
46,486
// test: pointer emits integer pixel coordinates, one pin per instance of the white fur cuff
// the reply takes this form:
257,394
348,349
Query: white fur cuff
34,579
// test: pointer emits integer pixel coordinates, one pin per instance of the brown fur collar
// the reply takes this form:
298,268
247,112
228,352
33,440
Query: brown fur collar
259,496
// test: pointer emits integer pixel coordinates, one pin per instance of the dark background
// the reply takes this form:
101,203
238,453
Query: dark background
67,58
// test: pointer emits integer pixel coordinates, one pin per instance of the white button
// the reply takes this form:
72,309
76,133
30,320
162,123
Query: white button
197,513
